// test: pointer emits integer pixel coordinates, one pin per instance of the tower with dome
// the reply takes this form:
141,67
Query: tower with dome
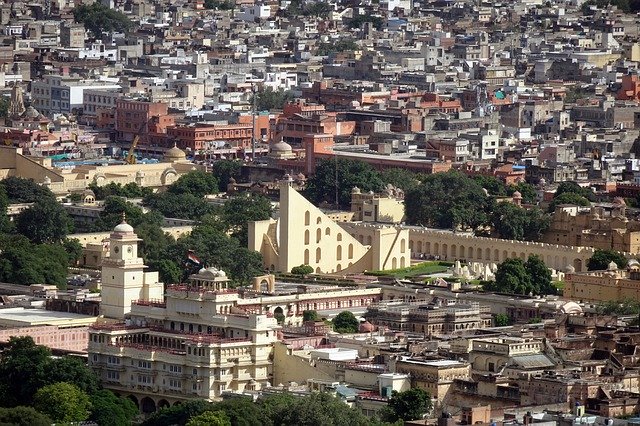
124,279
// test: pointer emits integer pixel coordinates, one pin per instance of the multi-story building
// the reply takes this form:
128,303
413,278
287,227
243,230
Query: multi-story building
211,136
142,117
432,319
97,102
387,207
56,94
192,342
72,35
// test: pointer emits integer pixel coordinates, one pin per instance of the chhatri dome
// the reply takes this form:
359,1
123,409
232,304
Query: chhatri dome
123,227
174,154
280,150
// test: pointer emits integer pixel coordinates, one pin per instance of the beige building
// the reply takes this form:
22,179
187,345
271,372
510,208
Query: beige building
190,343
65,181
304,235
434,376
595,227
603,286
387,207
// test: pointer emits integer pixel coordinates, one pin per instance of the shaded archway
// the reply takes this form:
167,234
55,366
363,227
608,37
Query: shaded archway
148,405
577,265
163,403
134,400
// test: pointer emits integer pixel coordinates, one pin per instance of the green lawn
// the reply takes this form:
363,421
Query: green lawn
424,268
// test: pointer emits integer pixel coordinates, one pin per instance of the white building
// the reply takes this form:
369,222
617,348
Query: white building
56,94
250,13
192,342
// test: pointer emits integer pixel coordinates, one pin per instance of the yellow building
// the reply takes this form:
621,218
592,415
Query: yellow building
65,181
304,235
434,376
602,286
387,207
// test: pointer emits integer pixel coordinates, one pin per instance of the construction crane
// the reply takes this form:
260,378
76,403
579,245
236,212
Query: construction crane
131,155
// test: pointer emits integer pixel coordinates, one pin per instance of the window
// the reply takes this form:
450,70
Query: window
175,368
144,364
113,360
113,375
307,218
175,384
146,380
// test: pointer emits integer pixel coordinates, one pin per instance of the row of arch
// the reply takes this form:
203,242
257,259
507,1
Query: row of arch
149,405
488,255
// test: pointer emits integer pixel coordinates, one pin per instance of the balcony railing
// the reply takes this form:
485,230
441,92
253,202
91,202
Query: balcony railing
152,303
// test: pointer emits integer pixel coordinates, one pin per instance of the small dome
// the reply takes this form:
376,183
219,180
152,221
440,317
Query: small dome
355,190
613,266
123,228
571,308
174,154
633,264
570,269
281,147
87,192
517,195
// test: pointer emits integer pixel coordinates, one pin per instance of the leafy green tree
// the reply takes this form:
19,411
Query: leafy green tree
241,412
574,188
269,99
23,416
179,206
44,222
515,223
321,187
130,190
224,170
512,277
346,322
310,316
22,363
20,190
315,409
22,262
5,102
528,192
63,402
210,418
168,271
115,206
360,20
502,320
219,4
238,211
492,184
568,198
401,178
602,258
179,414
107,409
409,405
71,370
73,248
98,18
325,49
197,183
447,200
539,275
302,270
615,307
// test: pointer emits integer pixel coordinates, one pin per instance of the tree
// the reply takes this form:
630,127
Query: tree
492,184
23,416
447,200
179,414
515,223
44,222
21,366
310,316
22,262
528,192
346,322
197,183
325,49
512,277
539,275
321,187
21,190
4,106
73,248
130,190
70,369
168,271
570,198
602,258
210,418
107,409
302,270
502,320
269,99
574,188
408,405
400,178
63,402
179,206
238,211
359,20
98,18
115,206
218,4
224,170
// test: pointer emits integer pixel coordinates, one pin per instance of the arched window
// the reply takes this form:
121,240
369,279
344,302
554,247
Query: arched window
318,235
339,253
306,257
402,245
318,254
318,221
327,231
306,237
307,218
350,251
339,237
